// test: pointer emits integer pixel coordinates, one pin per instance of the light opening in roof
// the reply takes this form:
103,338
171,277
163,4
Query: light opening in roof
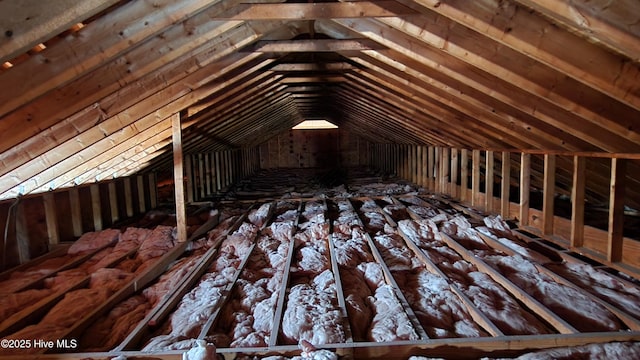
314,124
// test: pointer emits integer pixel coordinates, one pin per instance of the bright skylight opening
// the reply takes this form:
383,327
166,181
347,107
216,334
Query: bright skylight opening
315,124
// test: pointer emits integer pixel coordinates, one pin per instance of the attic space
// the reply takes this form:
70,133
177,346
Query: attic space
270,179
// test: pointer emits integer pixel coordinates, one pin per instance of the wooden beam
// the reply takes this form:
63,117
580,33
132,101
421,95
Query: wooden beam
505,185
113,202
77,55
577,201
488,181
475,177
51,218
464,174
616,210
317,45
533,36
128,196
142,205
329,66
32,22
178,176
22,233
190,178
312,11
96,207
548,193
76,212
455,165
153,190
604,22
525,188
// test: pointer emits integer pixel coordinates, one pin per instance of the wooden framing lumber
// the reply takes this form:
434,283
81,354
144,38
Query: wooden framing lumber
475,178
396,290
479,317
488,181
616,210
76,212
96,207
178,178
51,218
33,22
548,193
282,296
317,45
577,201
226,294
525,188
113,202
558,323
628,320
127,290
32,313
505,185
313,11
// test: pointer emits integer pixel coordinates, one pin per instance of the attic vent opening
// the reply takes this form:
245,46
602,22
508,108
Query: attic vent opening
314,124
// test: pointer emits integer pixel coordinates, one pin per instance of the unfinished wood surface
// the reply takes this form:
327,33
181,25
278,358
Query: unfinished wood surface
76,211
142,203
577,201
453,190
113,202
505,184
178,179
616,210
33,22
51,219
128,196
479,317
96,207
475,178
536,37
489,179
558,323
608,23
525,188
548,193
627,319
312,11
464,174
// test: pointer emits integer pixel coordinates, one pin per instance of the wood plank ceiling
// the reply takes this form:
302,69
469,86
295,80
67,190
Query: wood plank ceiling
88,88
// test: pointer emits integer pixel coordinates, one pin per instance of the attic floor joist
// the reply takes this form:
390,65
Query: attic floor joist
444,228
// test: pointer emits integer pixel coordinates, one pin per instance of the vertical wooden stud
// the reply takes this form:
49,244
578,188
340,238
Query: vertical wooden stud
22,234
431,167
616,210
153,190
218,171
475,177
424,181
505,184
128,196
525,188
76,211
548,193
51,218
464,174
488,181
445,166
142,203
178,176
577,201
96,206
190,179
454,173
113,201
201,177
